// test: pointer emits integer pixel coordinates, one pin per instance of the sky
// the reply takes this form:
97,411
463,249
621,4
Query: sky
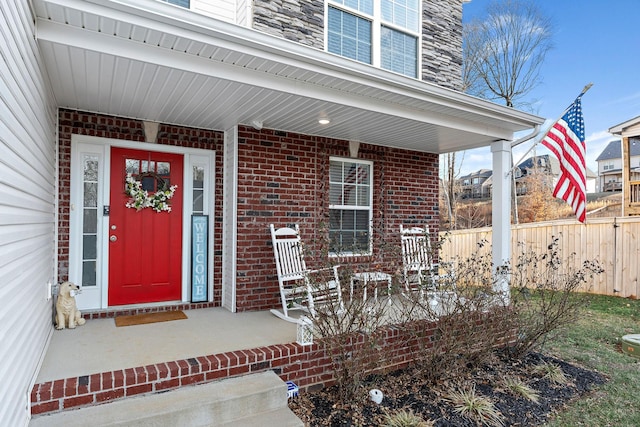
595,41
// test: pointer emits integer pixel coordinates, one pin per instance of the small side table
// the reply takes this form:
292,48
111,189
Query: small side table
370,276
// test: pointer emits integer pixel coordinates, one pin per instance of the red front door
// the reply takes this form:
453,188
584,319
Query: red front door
145,246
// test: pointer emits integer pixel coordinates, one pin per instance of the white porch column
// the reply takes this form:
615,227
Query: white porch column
230,218
501,213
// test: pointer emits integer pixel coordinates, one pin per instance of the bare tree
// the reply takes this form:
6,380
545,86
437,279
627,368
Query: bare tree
503,52
474,214
537,202
450,189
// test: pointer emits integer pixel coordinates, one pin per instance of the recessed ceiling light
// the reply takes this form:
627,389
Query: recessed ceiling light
324,121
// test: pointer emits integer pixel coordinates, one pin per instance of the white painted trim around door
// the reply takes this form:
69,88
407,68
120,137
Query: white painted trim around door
81,145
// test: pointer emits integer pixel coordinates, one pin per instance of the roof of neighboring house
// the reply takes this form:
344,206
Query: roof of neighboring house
548,162
630,125
611,172
482,173
613,150
544,161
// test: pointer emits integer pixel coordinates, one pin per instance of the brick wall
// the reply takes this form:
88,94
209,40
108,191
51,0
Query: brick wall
100,125
283,179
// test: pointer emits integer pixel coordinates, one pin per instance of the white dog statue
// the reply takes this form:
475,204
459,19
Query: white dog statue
67,314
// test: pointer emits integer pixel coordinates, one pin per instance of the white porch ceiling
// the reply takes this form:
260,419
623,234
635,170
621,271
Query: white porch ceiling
149,60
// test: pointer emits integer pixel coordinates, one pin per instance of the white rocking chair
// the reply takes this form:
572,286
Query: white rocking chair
420,272
300,288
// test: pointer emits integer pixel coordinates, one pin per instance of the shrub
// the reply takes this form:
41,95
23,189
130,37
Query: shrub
405,418
517,387
353,334
552,372
454,326
470,319
545,296
478,408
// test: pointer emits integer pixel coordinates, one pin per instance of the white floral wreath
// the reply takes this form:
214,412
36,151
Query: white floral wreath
140,199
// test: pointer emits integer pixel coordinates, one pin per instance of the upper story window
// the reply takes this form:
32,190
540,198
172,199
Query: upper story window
181,3
383,33
608,166
350,206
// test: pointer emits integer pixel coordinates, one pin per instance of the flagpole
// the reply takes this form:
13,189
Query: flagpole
584,90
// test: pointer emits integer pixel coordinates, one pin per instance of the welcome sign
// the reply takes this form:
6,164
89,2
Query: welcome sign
199,257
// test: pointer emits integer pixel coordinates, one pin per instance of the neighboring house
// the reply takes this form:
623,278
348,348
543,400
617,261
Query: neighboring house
549,166
610,165
629,154
258,112
476,184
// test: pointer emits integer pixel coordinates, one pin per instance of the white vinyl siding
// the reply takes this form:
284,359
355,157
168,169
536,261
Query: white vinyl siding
244,13
27,210
224,10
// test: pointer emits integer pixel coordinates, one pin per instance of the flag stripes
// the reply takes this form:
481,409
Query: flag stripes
566,141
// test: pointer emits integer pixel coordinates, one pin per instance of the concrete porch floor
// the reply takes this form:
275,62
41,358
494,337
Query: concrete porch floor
100,346
99,362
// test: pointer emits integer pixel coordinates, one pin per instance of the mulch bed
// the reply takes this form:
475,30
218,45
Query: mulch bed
404,390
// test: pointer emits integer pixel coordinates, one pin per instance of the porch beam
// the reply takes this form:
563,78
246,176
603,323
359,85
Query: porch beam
501,215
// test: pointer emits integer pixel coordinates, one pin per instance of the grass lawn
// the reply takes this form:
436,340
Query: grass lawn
594,342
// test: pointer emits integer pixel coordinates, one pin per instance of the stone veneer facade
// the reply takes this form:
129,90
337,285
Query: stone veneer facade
442,43
303,22
299,21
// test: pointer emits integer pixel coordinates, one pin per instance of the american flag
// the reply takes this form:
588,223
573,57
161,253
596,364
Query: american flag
565,139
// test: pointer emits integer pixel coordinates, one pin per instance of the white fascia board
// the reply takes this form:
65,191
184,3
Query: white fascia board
180,22
628,128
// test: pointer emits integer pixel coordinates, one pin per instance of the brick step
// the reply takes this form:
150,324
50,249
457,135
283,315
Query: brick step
221,403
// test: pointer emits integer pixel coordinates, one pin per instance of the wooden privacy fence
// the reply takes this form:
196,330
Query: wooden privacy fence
613,242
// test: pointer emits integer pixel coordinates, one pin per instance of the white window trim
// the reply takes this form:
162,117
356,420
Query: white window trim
376,31
91,296
346,207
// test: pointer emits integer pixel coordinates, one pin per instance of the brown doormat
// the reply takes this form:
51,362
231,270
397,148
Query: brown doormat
141,319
